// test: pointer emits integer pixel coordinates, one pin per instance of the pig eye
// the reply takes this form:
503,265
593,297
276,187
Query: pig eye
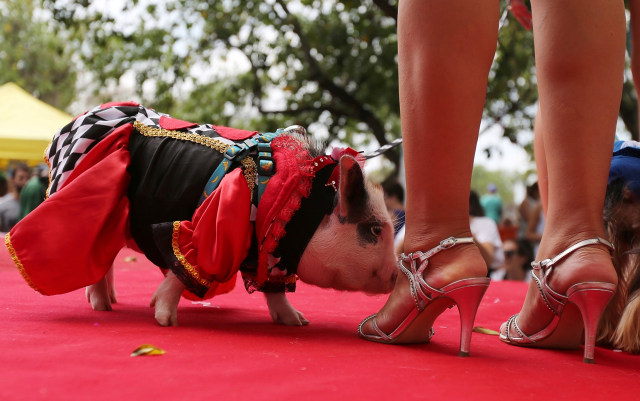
369,231
376,230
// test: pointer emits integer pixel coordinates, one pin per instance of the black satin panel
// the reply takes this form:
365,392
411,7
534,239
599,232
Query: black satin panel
167,179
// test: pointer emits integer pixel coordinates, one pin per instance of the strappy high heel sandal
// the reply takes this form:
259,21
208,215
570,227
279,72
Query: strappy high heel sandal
585,300
430,302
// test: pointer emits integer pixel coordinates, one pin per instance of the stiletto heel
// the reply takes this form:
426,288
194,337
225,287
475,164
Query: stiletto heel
585,300
591,303
467,299
416,327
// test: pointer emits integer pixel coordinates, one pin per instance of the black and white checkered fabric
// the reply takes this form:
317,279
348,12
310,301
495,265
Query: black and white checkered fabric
76,139
71,144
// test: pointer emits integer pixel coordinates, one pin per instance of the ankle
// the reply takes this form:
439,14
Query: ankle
458,262
555,242
589,263
426,239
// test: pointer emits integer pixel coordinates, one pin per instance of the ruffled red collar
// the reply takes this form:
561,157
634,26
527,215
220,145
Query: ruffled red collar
295,170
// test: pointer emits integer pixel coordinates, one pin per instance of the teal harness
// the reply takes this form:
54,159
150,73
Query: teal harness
265,166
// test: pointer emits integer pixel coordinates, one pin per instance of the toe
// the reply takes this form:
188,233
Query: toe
366,329
504,330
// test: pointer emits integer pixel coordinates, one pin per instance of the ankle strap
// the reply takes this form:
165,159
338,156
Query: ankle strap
550,262
418,263
554,300
444,244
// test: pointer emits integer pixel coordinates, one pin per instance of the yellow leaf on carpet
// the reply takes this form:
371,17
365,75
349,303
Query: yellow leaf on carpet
147,349
482,330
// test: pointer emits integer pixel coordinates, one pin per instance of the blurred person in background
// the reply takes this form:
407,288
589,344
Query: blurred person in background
518,255
531,199
486,235
492,203
3,184
394,200
35,190
10,202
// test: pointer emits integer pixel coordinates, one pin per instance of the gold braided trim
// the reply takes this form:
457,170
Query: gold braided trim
181,258
16,261
250,172
184,136
249,166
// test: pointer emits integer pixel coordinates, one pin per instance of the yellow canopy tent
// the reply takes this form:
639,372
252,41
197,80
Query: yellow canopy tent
27,125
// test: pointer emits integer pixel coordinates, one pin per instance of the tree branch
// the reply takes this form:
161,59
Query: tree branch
358,111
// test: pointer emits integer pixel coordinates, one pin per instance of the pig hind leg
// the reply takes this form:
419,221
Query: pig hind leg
102,294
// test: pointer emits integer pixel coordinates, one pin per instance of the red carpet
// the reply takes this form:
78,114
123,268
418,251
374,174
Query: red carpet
57,348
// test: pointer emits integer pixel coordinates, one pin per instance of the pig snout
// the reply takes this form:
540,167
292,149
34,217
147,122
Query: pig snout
342,263
382,279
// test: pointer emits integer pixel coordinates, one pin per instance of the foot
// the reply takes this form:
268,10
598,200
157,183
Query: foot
460,262
166,299
587,264
102,294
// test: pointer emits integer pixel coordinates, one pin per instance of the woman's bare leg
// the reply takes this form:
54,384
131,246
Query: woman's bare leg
541,161
445,53
580,60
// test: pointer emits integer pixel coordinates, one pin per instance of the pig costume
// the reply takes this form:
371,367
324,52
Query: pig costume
202,201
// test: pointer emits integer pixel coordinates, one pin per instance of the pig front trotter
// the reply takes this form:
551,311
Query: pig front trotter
166,299
282,312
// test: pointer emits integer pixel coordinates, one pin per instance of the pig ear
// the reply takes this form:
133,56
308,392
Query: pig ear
353,194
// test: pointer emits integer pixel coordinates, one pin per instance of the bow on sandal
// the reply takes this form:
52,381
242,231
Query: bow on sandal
584,300
430,302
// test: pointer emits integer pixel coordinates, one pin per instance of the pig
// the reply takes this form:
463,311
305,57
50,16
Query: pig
325,223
